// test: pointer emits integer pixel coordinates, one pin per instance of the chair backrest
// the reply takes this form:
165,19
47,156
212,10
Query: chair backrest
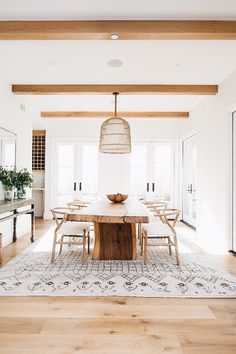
60,214
165,214
155,204
77,205
156,207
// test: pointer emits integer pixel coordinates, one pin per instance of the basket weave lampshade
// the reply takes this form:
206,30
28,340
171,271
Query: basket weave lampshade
115,135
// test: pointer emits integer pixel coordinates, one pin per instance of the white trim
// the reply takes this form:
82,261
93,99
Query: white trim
188,135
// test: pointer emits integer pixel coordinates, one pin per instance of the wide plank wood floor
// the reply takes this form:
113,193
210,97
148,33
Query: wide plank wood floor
91,325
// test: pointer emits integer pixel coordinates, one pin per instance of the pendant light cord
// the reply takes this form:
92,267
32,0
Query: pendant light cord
115,94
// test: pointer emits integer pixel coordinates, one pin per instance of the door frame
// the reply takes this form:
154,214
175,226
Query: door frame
230,184
184,137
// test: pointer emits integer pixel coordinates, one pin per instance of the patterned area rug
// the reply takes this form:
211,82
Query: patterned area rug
31,273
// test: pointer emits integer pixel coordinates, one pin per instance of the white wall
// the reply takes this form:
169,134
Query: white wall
210,118
14,119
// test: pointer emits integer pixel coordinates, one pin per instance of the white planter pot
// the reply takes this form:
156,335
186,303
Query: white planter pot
9,195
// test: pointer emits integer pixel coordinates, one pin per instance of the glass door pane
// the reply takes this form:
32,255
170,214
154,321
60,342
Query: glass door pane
164,172
138,170
152,171
89,169
65,173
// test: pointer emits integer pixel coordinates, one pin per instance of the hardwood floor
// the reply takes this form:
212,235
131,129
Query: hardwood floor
65,325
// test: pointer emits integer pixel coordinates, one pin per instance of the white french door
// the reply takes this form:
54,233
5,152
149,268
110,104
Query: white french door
189,180
76,170
151,167
234,182
153,171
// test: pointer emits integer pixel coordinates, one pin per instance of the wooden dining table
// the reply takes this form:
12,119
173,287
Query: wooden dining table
114,227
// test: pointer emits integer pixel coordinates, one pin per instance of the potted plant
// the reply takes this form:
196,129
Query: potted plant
8,179
23,180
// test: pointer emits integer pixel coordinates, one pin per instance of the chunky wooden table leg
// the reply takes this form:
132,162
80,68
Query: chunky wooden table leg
114,241
134,244
32,224
14,226
1,249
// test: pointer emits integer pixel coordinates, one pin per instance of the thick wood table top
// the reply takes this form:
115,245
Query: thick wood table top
131,211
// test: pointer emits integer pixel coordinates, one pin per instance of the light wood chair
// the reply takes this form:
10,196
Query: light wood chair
77,205
77,232
154,208
155,205
163,231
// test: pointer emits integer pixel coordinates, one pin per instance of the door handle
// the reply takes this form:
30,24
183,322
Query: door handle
153,187
80,186
74,186
191,188
147,187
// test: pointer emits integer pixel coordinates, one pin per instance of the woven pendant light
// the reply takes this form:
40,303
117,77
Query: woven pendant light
115,134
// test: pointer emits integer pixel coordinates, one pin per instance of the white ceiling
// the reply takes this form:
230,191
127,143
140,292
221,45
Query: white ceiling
144,62
117,9
150,62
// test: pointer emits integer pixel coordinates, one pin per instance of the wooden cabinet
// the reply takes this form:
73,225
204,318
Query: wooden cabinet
38,167
38,150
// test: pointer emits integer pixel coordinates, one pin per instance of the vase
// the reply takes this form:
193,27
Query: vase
21,193
9,194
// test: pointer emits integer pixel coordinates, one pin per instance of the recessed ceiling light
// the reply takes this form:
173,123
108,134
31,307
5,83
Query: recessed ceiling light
115,63
114,36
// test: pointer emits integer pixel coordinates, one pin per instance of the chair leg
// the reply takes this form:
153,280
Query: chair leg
139,234
54,247
71,239
88,242
170,251
141,244
145,248
61,240
84,245
176,250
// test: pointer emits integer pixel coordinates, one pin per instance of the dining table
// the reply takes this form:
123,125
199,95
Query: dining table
114,227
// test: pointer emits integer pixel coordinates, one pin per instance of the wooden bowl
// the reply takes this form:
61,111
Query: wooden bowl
117,198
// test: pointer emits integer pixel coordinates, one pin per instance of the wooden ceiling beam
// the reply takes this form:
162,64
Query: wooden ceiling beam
126,30
109,89
94,114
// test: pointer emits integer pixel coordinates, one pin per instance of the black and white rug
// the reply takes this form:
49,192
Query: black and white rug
31,273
